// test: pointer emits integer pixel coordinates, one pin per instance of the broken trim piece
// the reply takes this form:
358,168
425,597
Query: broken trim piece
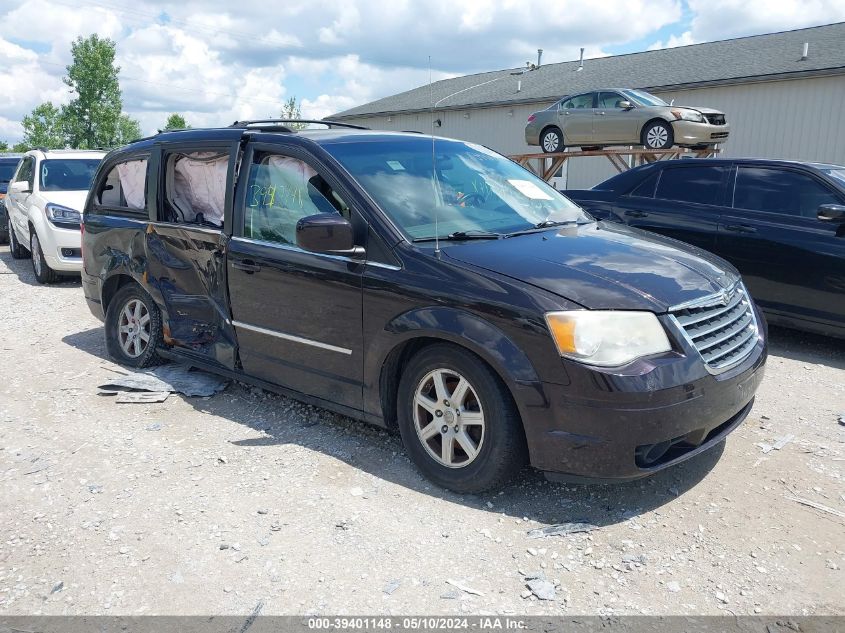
291,337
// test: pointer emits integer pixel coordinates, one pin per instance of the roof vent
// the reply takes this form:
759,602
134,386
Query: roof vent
539,56
806,51
581,61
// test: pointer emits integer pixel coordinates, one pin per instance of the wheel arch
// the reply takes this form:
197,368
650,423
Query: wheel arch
112,284
423,328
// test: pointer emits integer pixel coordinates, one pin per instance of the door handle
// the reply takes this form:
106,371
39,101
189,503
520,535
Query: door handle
247,266
601,113
566,113
636,214
740,228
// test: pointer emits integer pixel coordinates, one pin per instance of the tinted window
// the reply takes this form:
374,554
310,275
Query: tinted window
610,100
646,188
7,170
780,191
67,174
690,184
125,186
281,191
578,101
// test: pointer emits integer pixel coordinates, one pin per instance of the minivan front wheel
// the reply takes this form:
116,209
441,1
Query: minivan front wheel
133,327
458,422
43,273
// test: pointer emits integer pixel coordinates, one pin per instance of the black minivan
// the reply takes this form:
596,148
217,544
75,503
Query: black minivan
426,284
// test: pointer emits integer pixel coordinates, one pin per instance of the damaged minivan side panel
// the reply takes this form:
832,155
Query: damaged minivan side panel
186,245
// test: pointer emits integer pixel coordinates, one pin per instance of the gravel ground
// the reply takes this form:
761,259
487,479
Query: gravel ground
216,505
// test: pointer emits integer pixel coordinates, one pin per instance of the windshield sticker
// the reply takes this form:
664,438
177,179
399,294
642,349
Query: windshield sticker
395,165
530,190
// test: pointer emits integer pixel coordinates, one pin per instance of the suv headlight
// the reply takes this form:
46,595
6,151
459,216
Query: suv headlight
689,115
62,215
607,338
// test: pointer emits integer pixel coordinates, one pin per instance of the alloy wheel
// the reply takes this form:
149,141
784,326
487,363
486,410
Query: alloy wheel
657,136
551,142
36,254
448,418
133,328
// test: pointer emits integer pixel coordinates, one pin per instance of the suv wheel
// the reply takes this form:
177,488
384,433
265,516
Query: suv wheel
18,251
552,141
458,422
133,327
658,135
43,273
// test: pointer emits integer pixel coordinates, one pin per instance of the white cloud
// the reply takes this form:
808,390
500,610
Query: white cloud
684,39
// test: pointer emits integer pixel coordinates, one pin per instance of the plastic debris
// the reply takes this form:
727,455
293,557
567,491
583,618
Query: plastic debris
141,397
818,506
170,378
392,586
561,529
464,588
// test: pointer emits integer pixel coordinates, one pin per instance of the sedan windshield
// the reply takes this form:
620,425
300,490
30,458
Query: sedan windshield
68,174
644,98
453,189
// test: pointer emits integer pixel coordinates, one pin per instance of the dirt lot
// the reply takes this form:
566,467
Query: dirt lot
216,505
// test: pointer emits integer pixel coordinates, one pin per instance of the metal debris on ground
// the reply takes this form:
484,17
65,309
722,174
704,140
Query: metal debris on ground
818,506
464,588
141,397
171,378
561,529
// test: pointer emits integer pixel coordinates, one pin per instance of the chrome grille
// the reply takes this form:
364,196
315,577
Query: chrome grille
721,327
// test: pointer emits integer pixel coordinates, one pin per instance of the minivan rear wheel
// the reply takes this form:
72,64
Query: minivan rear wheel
458,421
133,328
43,273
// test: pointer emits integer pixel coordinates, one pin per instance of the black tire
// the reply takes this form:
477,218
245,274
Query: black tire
501,450
43,273
552,141
4,222
124,298
15,248
662,138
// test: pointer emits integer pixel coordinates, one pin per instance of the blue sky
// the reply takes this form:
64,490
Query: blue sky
215,61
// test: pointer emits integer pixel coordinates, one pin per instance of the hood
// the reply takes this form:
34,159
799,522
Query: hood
601,266
702,110
71,199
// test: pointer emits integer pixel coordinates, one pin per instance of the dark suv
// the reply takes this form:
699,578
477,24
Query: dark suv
426,284
781,223
8,165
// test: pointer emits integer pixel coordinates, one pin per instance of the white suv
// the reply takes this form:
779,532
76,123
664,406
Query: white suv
44,203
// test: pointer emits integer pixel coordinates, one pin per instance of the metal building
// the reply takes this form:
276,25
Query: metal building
783,93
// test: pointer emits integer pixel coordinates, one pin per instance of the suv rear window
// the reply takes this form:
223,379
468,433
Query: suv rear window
125,186
67,174
195,187
690,184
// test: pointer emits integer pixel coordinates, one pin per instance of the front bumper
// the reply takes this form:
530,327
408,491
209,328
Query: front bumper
690,133
62,248
610,426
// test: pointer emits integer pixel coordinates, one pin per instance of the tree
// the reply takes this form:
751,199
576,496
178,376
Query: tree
93,117
43,127
176,122
291,110
4,146
128,130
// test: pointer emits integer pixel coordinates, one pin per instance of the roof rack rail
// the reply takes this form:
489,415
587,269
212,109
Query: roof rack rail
279,123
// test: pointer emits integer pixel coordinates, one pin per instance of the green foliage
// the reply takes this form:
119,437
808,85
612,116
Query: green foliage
128,130
291,110
93,117
176,122
19,148
4,146
44,127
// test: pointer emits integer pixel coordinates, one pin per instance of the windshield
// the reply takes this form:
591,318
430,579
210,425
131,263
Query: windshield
836,174
67,174
644,98
7,170
471,190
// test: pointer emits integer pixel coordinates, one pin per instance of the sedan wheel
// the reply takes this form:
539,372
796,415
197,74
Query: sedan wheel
448,418
552,141
658,135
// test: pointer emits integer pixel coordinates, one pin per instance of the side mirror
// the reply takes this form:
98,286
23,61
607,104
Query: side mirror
625,105
831,213
21,186
327,233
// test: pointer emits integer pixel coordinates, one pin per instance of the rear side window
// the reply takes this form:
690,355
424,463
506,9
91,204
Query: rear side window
578,102
780,191
125,186
690,184
195,187
282,190
646,188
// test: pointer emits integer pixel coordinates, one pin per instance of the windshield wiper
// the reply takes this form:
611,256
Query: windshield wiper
545,224
459,236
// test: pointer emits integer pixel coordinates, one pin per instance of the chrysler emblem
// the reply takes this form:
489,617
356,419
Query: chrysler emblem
725,297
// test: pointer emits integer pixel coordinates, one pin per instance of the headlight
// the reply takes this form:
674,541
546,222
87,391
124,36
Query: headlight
62,215
689,115
607,338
